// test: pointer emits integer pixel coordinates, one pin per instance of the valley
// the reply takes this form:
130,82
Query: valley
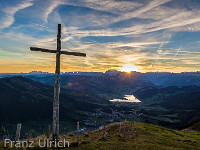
86,99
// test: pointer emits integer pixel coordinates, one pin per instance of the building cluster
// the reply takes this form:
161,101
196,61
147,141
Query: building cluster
109,117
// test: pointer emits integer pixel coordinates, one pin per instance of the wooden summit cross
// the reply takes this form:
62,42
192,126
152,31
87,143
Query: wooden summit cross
57,79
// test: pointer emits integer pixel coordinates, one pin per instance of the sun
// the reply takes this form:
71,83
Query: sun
129,68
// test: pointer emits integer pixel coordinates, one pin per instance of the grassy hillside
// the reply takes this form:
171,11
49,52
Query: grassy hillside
148,137
195,126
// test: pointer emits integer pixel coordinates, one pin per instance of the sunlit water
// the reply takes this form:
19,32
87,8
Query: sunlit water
128,98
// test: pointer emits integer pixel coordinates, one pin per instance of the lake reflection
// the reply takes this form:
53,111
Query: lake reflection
128,98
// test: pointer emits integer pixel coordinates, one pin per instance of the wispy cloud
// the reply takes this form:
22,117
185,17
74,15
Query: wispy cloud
112,33
160,18
159,50
51,6
9,13
177,53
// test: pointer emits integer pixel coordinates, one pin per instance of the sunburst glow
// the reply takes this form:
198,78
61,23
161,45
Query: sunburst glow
129,68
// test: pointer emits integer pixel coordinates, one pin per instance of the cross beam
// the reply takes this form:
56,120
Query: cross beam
57,79
54,51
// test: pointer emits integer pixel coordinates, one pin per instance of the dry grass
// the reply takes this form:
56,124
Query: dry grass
147,137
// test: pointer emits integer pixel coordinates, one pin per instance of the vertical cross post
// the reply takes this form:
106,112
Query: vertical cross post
48,131
57,88
57,79
120,128
132,133
104,129
128,134
124,133
135,125
19,125
78,133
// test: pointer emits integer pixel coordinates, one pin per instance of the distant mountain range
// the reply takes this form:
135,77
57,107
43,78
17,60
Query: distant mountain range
174,79
104,86
159,79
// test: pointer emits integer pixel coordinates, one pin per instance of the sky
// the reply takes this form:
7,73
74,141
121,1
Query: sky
149,35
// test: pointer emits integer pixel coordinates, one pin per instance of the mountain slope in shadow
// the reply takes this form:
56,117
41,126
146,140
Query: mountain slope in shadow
24,100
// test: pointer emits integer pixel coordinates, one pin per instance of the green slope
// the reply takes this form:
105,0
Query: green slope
148,137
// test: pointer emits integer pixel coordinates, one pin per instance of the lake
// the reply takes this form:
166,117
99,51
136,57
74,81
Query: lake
127,98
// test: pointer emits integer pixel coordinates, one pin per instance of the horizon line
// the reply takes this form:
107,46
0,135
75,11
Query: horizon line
75,72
